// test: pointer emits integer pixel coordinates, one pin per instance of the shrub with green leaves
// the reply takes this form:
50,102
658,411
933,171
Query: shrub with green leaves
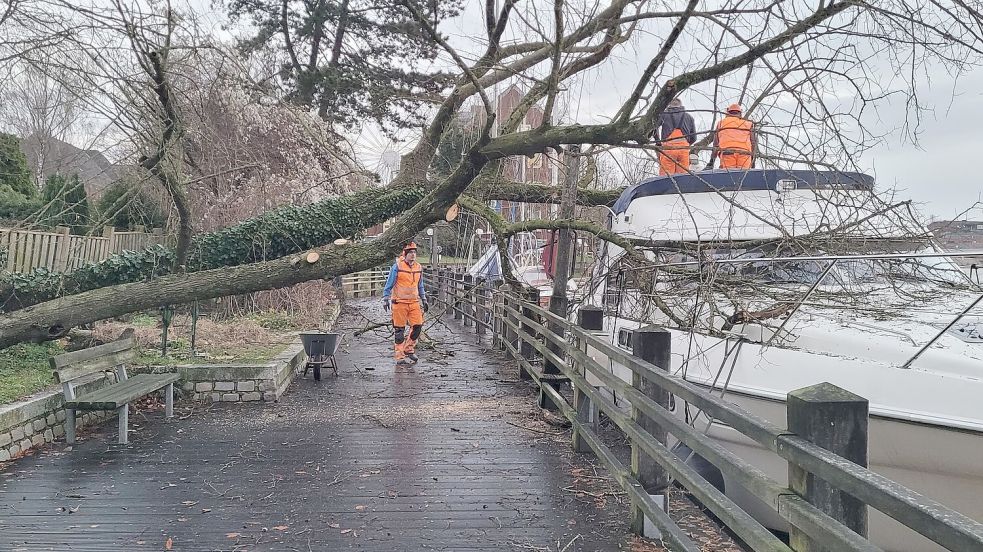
14,172
65,203
17,206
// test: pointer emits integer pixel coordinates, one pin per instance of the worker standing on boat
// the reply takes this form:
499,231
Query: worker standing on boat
677,131
734,141
405,297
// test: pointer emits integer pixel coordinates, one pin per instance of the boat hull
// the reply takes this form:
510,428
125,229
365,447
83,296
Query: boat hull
944,463
939,463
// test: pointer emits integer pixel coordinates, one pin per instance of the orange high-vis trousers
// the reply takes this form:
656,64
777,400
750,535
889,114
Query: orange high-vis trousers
734,160
675,158
406,314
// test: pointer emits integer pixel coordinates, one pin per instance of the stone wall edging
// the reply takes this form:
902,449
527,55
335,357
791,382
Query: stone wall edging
247,382
40,418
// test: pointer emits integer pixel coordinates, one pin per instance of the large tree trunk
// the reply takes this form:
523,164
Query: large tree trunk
275,234
53,319
272,235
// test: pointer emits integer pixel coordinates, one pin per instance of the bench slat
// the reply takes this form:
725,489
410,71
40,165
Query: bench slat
70,366
116,395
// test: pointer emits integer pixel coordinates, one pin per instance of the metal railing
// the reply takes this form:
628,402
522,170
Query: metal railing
534,337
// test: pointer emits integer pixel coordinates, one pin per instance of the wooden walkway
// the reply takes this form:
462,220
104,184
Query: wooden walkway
449,455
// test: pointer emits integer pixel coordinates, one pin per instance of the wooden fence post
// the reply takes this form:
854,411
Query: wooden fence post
481,308
63,248
592,319
109,233
466,300
526,349
496,323
505,333
442,287
836,420
651,344
458,286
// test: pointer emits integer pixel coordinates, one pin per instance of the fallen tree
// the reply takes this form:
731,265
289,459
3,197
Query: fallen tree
272,235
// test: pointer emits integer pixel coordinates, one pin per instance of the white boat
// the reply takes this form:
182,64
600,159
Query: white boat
773,280
526,263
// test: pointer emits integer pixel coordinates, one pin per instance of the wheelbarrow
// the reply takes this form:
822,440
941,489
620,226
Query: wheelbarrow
320,349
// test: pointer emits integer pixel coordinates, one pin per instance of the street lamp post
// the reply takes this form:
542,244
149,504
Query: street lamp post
433,251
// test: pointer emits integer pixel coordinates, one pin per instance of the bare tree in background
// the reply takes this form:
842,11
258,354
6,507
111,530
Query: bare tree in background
248,154
44,112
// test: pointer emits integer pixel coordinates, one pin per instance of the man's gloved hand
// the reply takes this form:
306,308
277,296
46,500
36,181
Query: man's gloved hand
386,304
425,304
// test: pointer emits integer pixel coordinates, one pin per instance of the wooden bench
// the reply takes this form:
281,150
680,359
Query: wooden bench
112,357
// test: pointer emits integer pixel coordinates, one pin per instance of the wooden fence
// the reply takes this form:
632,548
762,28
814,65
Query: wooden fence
60,251
553,352
367,283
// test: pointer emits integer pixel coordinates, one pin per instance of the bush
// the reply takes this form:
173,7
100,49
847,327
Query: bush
17,206
273,320
14,173
65,203
126,205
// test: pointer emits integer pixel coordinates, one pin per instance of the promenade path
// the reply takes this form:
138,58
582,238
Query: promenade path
452,454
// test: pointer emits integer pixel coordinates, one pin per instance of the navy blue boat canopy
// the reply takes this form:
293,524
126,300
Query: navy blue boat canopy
744,180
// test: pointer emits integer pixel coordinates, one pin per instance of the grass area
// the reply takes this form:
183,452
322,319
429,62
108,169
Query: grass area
24,369
256,337
180,353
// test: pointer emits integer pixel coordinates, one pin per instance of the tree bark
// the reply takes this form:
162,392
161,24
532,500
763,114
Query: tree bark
509,190
55,318
274,234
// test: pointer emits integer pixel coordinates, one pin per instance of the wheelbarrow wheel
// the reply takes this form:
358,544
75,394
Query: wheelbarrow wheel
317,372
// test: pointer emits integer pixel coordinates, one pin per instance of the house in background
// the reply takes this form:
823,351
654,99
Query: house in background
538,169
954,235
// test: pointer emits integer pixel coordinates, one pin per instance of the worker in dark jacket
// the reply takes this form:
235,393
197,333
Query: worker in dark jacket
677,132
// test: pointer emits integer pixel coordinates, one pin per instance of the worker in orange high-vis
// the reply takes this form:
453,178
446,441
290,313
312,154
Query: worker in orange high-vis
405,297
734,141
677,132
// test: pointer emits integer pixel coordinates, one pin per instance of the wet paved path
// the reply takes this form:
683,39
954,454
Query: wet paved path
449,455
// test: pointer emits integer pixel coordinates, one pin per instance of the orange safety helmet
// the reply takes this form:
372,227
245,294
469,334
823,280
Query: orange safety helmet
409,247
735,108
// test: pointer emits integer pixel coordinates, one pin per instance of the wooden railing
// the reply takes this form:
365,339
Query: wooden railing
61,251
553,352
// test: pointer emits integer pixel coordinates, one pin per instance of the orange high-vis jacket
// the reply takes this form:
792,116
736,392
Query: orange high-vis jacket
406,288
734,135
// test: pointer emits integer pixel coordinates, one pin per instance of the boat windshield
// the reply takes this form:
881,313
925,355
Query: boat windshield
935,270
781,272
914,270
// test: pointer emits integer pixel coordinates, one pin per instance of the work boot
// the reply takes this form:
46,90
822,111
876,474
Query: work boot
412,356
404,362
